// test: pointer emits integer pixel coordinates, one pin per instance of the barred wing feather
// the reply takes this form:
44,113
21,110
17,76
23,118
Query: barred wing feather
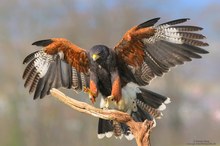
147,51
44,71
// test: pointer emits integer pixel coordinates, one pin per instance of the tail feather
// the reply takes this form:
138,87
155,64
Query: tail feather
105,128
151,111
148,106
152,99
117,130
140,115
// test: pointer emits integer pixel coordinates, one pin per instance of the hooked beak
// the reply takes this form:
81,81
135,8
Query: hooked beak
95,57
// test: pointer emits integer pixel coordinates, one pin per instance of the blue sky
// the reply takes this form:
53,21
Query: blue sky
160,4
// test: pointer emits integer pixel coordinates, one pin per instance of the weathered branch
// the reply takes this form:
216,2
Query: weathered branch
141,131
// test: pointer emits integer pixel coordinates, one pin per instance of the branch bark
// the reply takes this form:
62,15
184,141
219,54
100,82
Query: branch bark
140,130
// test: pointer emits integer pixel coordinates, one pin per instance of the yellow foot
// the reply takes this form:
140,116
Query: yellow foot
108,100
86,90
121,105
91,94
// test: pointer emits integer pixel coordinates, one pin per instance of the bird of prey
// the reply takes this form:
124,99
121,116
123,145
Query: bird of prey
117,74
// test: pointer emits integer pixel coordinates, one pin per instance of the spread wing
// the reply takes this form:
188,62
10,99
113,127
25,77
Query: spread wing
59,64
147,51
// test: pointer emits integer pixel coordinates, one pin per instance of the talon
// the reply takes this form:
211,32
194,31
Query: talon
93,100
108,100
91,94
106,104
111,97
121,104
86,90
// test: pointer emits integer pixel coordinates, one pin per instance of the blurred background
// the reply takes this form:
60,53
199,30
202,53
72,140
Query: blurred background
193,115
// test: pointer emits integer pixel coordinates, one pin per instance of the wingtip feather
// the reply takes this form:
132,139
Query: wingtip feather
148,23
29,57
176,21
43,43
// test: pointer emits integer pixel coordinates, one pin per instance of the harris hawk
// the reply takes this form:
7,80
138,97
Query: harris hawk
117,74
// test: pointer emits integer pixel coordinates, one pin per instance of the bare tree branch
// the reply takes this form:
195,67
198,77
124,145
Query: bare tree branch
141,131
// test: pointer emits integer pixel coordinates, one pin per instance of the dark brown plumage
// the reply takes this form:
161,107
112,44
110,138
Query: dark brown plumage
144,52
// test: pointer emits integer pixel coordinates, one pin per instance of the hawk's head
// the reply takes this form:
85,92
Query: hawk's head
99,53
